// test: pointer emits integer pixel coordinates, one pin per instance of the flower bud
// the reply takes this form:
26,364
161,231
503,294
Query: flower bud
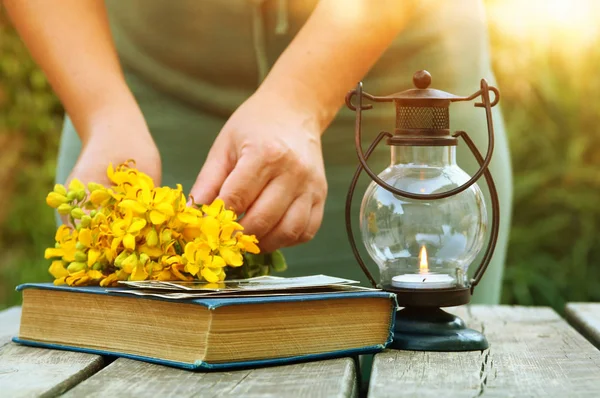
144,258
60,189
97,266
85,221
119,259
98,197
80,256
152,238
54,199
64,209
71,196
165,235
77,213
79,246
76,266
129,263
93,213
92,186
76,185
80,195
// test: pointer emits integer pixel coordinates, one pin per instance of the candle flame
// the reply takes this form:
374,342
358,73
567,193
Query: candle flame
423,265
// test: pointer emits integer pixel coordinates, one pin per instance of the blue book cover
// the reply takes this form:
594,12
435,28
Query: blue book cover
213,305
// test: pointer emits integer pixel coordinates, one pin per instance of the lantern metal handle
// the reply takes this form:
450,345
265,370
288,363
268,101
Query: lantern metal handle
486,103
349,197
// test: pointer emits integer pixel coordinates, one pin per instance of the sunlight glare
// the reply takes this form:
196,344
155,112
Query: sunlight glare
563,22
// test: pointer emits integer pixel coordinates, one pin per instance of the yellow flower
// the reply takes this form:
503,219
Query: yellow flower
139,273
87,240
160,204
109,280
124,175
177,269
126,230
214,209
152,252
94,274
196,254
211,229
164,275
231,256
248,243
58,270
213,275
189,215
66,239
225,217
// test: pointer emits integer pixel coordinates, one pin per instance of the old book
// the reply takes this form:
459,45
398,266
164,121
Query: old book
206,333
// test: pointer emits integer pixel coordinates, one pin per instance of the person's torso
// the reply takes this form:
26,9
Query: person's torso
209,53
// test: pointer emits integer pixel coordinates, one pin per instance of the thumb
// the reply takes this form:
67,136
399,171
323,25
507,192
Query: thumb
211,177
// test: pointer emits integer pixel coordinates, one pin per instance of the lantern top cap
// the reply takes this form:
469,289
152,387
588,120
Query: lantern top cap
423,96
422,92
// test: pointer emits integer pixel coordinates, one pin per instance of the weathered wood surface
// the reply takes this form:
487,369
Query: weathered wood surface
9,324
33,372
124,377
533,353
585,317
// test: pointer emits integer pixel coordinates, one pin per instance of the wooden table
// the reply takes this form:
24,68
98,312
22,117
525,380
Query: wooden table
533,353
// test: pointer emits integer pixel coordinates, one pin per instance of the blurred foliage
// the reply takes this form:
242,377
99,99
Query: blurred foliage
30,120
550,99
550,95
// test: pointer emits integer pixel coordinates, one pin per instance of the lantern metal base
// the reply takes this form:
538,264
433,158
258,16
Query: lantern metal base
430,297
432,329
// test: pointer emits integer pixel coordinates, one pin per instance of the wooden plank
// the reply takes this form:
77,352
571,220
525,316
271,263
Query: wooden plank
585,317
124,377
533,352
28,371
9,324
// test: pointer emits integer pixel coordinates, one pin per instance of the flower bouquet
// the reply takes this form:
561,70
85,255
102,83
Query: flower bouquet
135,231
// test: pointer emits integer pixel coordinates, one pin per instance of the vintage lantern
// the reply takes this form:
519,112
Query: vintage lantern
423,219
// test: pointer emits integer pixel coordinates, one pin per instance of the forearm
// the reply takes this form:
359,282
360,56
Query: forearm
71,41
333,51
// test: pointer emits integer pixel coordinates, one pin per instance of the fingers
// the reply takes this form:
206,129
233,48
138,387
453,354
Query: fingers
314,222
279,190
210,179
245,184
270,207
292,227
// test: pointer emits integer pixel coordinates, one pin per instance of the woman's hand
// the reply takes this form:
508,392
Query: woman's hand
267,163
113,144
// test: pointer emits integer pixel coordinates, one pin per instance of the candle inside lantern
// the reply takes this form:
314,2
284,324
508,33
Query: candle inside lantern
424,279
